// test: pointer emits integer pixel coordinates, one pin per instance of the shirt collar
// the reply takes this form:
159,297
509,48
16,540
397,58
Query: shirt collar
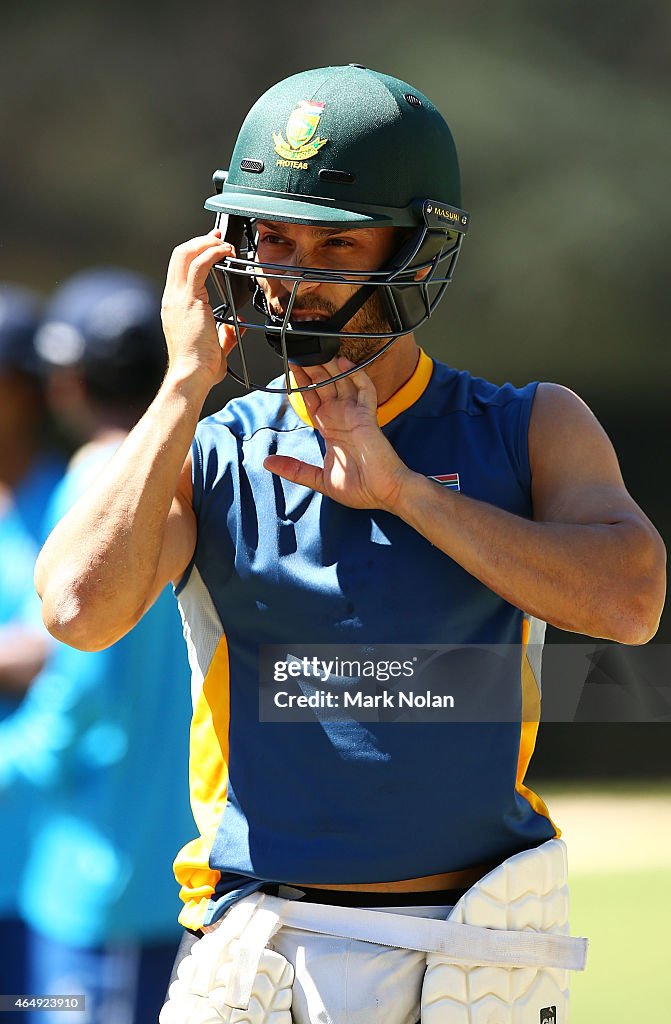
407,394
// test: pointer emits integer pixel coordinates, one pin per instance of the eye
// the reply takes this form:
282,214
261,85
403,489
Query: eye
339,243
271,239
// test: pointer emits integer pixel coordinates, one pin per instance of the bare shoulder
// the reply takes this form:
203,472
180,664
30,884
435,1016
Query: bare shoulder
562,426
559,417
575,471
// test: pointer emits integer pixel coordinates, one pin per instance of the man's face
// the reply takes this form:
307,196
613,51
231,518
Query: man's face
334,249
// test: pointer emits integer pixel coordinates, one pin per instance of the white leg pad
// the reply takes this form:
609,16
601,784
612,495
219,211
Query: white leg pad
198,996
528,892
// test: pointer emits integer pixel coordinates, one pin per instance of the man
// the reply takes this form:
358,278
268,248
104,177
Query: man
98,749
403,503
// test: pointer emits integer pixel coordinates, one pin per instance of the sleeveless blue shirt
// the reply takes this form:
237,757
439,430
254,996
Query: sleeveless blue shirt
276,563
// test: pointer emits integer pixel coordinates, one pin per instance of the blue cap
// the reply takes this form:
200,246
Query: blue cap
106,322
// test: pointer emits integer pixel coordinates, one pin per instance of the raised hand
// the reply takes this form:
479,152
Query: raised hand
196,346
361,469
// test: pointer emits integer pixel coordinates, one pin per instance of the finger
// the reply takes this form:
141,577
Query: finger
183,254
344,364
300,376
201,265
366,393
311,398
317,375
340,388
296,471
345,386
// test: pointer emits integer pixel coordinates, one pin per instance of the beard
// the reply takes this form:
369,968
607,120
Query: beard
370,319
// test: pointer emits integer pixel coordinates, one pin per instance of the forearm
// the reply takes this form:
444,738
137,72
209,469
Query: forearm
97,569
597,579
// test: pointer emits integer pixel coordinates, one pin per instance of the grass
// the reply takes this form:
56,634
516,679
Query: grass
626,918
619,847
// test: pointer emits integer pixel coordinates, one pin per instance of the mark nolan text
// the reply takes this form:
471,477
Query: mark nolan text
363,701
400,699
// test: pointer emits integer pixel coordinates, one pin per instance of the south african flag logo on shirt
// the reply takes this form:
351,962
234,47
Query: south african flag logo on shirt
450,480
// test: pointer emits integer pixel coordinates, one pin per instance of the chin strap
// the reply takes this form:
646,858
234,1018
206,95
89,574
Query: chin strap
311,346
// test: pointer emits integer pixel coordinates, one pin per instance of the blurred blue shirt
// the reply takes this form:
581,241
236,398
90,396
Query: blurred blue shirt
100,746
18,551
33,494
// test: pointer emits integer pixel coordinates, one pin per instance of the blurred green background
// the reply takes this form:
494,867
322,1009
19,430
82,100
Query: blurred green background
618,839
114,116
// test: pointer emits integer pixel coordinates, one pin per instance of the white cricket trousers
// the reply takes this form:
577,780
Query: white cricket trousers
346,981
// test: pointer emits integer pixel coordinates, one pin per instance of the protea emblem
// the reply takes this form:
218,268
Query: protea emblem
301,142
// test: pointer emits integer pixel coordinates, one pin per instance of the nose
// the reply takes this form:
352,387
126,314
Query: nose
299,259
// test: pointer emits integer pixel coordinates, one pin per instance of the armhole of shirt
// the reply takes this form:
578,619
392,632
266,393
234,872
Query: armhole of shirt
526,405
197,473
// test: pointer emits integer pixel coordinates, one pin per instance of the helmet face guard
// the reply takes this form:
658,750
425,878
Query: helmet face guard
409,287
366,117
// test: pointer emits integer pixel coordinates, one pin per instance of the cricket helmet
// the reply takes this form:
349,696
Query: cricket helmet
338,147
106,323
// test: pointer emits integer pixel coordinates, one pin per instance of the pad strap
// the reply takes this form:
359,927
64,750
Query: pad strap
462,943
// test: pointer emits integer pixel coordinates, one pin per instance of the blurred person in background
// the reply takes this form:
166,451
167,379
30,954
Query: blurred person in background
28,467
101,738
29,471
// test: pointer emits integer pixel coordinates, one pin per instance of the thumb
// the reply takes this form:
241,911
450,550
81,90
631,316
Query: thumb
228,339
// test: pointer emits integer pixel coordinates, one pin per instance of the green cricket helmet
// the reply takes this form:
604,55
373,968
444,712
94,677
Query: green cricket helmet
339,147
